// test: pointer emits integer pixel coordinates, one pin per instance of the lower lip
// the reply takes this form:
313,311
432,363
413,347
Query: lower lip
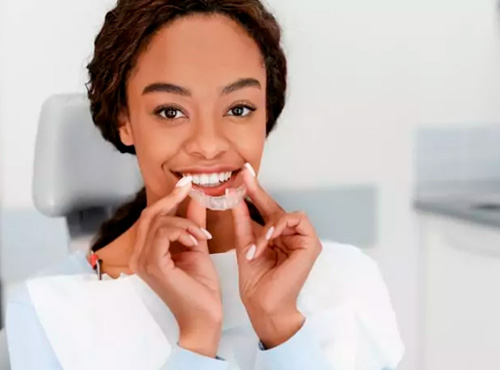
218,190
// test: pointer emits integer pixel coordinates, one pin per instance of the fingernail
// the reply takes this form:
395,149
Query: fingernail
184,181
207,234
193,239
250,169
269,233
251,252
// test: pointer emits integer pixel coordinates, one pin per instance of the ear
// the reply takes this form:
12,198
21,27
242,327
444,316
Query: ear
125,128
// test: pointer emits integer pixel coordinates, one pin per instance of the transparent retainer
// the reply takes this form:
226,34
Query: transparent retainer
220,203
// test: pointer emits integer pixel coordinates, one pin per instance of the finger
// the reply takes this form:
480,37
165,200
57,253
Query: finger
191,226
266,205
193,237
293,223
296,223
160,245
166,204
264,239
197,214
162,207
245,247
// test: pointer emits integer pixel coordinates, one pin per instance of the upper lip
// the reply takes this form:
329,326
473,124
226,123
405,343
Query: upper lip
207,170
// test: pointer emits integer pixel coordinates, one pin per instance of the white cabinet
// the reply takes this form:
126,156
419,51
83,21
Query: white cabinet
460,271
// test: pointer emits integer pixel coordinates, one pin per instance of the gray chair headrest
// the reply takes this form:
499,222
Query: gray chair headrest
75,168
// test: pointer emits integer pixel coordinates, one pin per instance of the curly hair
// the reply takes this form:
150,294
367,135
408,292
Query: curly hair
128,28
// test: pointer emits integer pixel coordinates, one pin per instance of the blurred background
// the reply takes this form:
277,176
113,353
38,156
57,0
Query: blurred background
393,110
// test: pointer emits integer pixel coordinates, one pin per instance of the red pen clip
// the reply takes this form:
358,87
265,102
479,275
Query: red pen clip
96,263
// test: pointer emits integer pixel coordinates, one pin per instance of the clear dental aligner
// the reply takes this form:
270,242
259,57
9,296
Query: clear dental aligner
219,203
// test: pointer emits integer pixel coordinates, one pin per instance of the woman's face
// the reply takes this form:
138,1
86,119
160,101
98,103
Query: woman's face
196,105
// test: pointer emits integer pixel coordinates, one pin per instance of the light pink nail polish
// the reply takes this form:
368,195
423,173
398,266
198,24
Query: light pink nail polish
206,232
251,252
269,233
193,239
250,169
184,181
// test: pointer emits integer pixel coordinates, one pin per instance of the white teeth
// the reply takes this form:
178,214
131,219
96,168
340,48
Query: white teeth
205,179
210,179
213,178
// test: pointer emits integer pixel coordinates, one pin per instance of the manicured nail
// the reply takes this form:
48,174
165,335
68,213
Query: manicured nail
251,252
207,234
269,233
250,169
193,239
184,181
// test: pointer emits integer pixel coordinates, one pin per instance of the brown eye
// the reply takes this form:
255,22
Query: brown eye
170,113
241,111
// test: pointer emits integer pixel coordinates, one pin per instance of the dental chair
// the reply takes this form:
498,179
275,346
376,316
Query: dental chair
77,175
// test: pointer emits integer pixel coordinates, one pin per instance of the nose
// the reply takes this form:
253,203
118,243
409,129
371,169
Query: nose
207,140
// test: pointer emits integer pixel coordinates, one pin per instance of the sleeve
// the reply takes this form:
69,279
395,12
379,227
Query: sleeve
361,334
182,359
28,347
301,351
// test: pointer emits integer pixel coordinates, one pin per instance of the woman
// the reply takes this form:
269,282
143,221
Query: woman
193,88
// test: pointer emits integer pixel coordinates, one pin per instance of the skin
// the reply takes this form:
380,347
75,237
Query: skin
208,127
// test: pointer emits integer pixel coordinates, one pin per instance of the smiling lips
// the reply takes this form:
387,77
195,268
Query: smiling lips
209,179
213,183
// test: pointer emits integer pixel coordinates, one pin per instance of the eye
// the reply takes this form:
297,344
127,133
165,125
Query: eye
169,112
241,110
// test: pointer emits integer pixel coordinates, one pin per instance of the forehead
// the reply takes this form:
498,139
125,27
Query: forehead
200,50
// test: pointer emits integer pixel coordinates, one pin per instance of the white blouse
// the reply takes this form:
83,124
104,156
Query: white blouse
122,323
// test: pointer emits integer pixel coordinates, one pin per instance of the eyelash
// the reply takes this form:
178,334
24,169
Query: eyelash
173,107
243,105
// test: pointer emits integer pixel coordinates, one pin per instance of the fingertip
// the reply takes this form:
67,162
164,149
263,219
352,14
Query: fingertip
248,178
250,169
197,213
206,233
251,252
186,181
239,208
270,233
195,242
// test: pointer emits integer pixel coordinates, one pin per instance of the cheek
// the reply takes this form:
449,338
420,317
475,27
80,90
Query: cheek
249,141
154,145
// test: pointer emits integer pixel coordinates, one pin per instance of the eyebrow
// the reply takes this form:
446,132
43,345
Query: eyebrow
179,90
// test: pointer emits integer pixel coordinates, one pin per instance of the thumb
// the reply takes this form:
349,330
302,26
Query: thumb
198,214
245,239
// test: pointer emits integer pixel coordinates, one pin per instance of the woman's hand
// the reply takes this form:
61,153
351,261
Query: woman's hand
186,281
274,265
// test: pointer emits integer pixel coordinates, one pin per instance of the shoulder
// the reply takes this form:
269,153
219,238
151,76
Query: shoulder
343,274
344,260
74,263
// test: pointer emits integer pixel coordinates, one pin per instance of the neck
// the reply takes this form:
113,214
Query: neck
220,224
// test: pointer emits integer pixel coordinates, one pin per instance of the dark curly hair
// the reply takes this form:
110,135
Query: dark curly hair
128,28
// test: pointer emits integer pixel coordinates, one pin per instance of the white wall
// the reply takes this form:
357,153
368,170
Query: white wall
363,74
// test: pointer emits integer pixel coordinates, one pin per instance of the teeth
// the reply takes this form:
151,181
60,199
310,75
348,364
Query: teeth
210,179
213,178
204,179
